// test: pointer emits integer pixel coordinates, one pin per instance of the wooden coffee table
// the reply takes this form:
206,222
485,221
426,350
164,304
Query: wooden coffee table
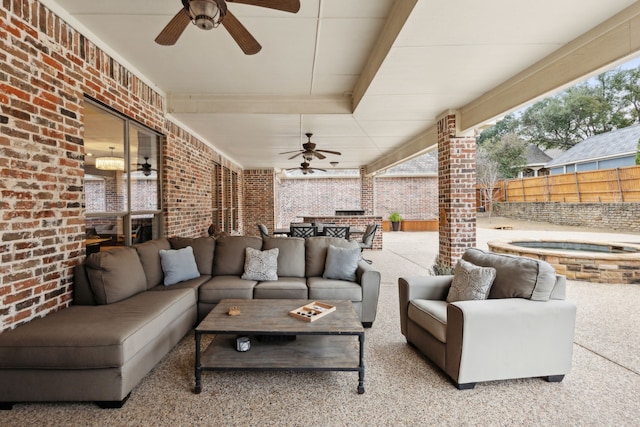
326,344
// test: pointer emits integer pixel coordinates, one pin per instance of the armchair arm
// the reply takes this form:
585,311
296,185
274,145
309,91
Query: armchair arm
369,280
420,287
509,338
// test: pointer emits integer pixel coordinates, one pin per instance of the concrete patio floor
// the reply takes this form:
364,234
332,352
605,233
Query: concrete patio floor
607,316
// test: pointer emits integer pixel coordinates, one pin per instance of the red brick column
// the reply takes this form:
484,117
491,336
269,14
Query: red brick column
366,193
259,200
456,191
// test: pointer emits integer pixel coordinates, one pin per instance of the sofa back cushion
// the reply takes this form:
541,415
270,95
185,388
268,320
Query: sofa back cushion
316,252
203,250
516,276
290,254
115,274
230,254
149,253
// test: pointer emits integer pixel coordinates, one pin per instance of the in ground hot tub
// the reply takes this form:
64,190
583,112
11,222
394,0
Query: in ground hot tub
591,261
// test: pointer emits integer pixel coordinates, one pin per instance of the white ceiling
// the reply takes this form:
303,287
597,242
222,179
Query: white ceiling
316,65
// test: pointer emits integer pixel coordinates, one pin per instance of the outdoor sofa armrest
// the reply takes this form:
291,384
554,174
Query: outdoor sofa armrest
369,280
420,287
509,338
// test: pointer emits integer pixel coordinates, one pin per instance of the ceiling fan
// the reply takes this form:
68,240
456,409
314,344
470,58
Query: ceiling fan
309,151
306,168
145,167
208,14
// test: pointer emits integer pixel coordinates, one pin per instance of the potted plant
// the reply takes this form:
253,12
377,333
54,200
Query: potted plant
440,268
395,220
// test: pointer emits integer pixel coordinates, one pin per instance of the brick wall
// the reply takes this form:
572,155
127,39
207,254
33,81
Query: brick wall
316,196
414,197
614,216
46,69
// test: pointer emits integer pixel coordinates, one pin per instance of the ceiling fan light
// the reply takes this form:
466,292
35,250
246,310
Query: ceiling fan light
204,13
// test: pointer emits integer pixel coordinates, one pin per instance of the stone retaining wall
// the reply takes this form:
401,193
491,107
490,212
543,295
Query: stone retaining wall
613,216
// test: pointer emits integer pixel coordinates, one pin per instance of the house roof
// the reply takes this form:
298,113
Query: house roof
426,164
535,156
616,143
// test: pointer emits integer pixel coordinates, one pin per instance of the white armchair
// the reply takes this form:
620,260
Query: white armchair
524,329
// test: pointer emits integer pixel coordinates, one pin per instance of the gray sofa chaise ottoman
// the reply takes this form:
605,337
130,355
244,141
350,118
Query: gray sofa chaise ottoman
124,320
523,328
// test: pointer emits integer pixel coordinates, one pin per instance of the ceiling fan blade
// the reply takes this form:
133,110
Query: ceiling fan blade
319,155
174,29
240,34
331,152
318,169
289,152
292,6
293,157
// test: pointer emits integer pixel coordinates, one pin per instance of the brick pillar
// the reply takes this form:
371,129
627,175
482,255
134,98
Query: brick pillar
366,193
456,191
259,200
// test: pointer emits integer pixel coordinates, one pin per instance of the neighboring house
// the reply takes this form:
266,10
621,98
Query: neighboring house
613,149
536,162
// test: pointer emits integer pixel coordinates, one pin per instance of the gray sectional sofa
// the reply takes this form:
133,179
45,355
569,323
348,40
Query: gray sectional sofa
124,320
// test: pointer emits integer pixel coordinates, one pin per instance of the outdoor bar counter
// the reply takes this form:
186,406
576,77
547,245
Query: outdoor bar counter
357,222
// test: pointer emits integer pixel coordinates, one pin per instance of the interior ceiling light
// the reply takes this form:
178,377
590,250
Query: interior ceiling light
110,163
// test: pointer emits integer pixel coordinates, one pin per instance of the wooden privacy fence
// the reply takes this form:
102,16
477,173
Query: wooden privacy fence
605,186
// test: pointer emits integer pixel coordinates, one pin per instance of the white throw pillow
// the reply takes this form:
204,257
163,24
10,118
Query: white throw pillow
470,282
341,263
178,265
261,265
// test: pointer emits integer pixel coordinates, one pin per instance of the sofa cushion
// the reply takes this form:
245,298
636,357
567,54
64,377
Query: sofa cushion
516,276
88,337
341,263
203,250
230,253
283,288
327,289
316,252
470,282
221,287
150,259
178,265
291,254
115,274
430,315
260,265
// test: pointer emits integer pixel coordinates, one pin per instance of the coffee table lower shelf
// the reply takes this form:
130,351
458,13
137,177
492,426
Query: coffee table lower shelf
312,352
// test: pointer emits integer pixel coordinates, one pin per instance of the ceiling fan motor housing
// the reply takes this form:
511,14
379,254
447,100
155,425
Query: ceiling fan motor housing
205,12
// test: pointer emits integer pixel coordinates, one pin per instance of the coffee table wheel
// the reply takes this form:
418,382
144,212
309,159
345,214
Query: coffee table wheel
197,389
360,389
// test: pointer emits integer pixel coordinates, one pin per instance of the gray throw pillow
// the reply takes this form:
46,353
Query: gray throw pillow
261,265
341,263
470,282
178,265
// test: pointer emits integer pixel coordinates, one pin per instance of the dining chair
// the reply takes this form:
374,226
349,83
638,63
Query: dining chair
264,231
367,239
336,231
303,231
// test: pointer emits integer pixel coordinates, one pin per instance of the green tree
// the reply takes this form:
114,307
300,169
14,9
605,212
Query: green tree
509,124
509,153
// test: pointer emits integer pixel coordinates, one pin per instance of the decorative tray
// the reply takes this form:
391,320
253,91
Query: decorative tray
312,311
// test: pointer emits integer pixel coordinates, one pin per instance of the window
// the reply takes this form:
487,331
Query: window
122,185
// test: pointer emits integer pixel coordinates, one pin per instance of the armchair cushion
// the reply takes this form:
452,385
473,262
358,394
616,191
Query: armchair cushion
470,282
430,315
516,276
